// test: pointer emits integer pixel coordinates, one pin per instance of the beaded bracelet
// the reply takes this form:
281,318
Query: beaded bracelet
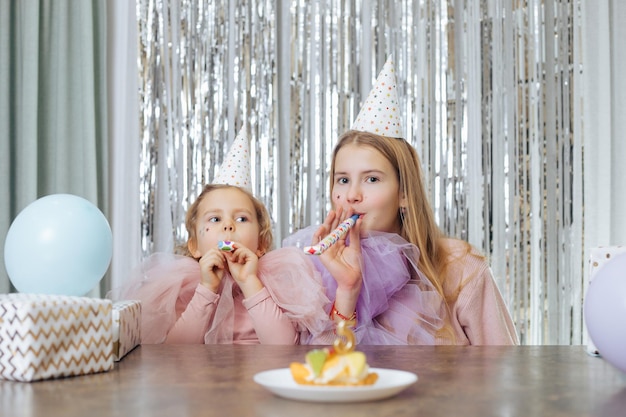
335,312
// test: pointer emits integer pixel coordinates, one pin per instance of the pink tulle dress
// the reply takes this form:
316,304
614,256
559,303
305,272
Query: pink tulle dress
397,304
165,284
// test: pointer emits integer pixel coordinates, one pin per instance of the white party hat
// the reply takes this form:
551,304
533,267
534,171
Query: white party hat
235,169
380,114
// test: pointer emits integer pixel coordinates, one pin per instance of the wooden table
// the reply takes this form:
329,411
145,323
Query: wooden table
199,380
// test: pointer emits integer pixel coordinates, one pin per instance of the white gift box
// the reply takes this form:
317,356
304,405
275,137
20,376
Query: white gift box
126,327
597,257
51,336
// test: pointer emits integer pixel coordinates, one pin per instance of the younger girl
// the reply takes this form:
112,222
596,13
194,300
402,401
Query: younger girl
396,273
247,295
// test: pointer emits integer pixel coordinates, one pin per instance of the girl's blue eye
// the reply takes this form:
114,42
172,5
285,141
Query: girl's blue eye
342,181
372,179
242,219
214,219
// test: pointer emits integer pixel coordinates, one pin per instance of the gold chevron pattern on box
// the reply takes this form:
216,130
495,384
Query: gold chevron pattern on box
51,336
126,327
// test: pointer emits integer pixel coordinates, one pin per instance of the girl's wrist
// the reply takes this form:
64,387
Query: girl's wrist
211,286
350,290
336,314
250,286
344,306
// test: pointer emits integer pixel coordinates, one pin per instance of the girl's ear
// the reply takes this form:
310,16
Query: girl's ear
193,248
261,250
402,202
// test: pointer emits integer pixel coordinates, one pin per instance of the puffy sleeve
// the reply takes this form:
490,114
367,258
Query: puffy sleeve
479,313
164,284
483,314
271,325
193,323
296,287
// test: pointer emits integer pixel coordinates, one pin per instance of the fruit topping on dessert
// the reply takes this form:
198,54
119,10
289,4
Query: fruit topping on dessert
339,365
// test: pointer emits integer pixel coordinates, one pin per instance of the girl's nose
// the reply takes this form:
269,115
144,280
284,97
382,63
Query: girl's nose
228,226
354,193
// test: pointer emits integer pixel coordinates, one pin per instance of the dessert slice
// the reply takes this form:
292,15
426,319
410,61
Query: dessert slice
339,365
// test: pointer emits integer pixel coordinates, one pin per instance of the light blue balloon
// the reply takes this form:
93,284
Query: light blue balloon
59,244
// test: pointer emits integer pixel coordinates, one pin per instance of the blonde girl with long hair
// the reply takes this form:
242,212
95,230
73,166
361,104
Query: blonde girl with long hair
395,274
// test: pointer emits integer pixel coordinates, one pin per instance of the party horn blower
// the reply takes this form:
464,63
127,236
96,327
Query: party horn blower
226,245
333,237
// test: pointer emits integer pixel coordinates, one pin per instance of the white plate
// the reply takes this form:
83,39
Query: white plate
390,382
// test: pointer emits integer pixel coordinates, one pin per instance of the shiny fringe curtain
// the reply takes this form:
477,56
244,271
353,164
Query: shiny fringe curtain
489,98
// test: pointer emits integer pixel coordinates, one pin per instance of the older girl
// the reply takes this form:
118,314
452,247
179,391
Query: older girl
396,274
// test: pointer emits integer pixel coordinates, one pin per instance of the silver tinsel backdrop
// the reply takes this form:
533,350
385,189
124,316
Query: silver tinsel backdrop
489,101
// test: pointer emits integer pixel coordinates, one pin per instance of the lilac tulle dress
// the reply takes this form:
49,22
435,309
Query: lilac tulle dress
165,284
397,304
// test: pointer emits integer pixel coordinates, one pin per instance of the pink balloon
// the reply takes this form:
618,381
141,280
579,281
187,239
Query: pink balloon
605,311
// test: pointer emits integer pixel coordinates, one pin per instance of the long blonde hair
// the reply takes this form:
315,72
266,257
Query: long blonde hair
418,220
265,225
